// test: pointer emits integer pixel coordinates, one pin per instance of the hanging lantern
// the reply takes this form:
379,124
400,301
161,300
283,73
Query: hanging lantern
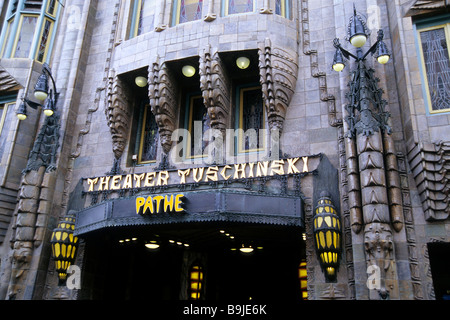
327,234
64,246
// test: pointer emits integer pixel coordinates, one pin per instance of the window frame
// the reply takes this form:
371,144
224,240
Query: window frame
239,112
143,111
176,13
187,141
5,106
13,24
424,26
226,5
135,17
286,9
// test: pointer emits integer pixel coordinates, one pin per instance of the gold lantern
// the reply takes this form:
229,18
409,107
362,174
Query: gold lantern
327,235
196,282
64,246
302,276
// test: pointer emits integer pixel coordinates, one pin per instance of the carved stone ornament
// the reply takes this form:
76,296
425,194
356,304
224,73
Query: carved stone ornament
215,88
7,82
430,165
117,113
278,76
163,102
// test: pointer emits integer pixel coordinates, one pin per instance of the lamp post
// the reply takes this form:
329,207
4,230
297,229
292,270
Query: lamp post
357,36
374,196
42,93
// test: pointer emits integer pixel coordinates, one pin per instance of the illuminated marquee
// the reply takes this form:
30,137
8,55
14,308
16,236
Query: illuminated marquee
160,204
202,174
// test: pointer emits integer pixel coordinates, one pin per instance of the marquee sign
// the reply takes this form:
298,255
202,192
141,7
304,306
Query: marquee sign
216,173
160,204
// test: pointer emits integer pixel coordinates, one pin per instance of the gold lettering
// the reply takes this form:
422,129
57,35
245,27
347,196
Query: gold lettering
183,174
148,182
91,183
197,178
128,183
115,182
138,178
250,171
178,202
158,202
241,170
139,203
277,167
104,183
162,180
211,173
222,172
148,205
168,203
305,164
292,168
262,168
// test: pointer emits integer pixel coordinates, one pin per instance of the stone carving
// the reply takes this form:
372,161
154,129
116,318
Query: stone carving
430,165
216,88
278,76
7,82
117,112
163,102
210,16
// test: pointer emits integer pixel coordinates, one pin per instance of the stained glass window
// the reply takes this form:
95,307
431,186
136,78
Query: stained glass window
239,6
188,10
283,8
26,33
196,282
251,119
199,123
149,137
43,43
434,43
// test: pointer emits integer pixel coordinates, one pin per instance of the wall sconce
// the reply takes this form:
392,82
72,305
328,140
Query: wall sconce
327,234
242,62
64,246
188,71
140,81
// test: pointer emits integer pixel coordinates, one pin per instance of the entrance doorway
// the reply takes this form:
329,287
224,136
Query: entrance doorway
118,265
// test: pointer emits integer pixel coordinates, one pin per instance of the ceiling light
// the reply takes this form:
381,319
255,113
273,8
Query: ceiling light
188,71
140,81
243,62
152,245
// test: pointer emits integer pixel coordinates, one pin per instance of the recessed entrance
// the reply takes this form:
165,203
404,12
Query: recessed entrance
119,266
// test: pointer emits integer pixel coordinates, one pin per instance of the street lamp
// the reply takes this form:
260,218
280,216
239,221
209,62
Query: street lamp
357,35
42,93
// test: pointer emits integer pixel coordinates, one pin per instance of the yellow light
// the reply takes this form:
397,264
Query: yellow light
152,245
188,71
383,59
41,95
338,67
140,81
358,40
21,116
243,62
246,249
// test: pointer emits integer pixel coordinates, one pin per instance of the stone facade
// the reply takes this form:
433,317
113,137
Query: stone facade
94,62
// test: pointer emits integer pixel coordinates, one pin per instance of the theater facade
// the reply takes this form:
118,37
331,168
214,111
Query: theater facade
254,150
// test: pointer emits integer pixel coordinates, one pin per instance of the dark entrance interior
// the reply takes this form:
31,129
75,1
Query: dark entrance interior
440,269
118,266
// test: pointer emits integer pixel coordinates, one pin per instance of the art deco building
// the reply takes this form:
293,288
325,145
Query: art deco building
254,149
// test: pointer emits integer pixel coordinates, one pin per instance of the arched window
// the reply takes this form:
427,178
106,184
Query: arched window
29,29
186,10
195,282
